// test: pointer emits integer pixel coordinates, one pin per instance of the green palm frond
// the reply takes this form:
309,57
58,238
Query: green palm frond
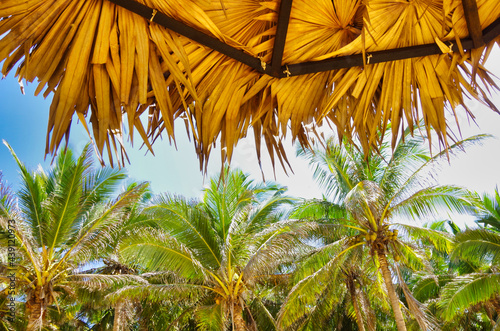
410,256
30,198
332,220
429,286
315,276
155,249
428,202
190,226
306,297
26,241
478,244
174,293
101,282
318,209
100,184
462,145
317,315
98,226
372,302
420,312
136,220
280,243
454,228
239,246
63,202
332,169
442,241
466,291
261,215
365,202
422,172
408,154
446,226
261,317
211,318
491,215
226,196
7,199
327,256
491,222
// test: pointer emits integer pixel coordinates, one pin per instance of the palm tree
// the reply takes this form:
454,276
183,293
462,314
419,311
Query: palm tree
432,287
312,299
63,218
390,186
217,257
114,272
479,289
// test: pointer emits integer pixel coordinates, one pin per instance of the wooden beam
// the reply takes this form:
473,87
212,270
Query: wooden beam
159,18
473,24
356,60
488,35
492,31
280,37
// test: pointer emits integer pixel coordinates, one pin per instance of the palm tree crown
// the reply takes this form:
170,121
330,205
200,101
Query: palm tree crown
369,199
216,254
63,218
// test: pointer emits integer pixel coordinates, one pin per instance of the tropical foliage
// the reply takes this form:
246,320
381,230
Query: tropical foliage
218,255
93,256
101,60
372,203
62,220
480,288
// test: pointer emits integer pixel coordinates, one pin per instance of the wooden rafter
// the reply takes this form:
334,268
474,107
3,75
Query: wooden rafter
356,60
492,31
477,39
159,18
280,38
473,24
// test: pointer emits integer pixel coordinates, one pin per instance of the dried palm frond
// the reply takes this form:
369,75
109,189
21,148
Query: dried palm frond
102,61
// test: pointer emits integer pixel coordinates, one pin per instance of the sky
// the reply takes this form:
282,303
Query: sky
23,124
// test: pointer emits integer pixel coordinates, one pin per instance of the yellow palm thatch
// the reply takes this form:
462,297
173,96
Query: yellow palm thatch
101,60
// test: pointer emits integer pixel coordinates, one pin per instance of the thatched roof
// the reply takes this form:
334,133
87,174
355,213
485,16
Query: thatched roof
222,66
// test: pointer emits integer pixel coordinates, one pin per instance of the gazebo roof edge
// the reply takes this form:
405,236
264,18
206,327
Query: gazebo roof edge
280,71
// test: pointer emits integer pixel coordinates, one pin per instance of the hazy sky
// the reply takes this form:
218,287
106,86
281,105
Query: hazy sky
24,121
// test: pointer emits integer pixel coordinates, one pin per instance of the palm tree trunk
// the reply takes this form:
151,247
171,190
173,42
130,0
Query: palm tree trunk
496,304
36,312
359,316
386,273
239,322
117,320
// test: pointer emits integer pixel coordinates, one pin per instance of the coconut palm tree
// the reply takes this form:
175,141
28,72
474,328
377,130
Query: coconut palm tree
217,257
61,221
114,273
429,287
381,195
479,289
313,300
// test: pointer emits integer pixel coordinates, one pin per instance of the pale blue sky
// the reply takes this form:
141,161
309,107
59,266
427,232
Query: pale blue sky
23,123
